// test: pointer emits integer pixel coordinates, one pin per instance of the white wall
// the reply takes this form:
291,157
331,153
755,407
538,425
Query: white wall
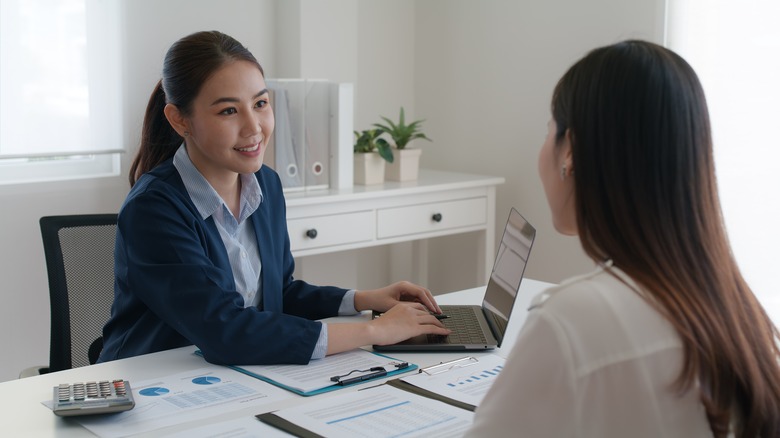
149,28
484,75
480,72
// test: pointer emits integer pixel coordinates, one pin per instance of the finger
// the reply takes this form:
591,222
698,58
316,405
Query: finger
436,329
424,296
429,319
430,302
433,304
417,306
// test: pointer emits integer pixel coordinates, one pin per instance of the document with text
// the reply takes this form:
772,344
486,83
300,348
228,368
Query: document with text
467,384
182,398
380,411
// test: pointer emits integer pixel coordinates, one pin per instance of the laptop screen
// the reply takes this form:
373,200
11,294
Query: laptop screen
508,269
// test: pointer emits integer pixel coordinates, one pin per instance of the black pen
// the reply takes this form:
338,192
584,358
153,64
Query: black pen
441,316
351,380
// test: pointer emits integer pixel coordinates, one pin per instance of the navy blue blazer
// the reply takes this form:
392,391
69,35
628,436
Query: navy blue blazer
174,285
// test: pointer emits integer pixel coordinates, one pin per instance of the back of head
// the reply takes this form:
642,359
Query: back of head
646,198
188,64
641,148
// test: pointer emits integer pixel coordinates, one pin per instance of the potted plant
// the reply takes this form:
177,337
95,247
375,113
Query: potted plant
371,153
406,167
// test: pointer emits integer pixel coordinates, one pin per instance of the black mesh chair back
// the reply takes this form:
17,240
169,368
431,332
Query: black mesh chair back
79,253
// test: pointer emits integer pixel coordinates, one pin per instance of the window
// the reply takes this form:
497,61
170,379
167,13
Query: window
734,46
60,89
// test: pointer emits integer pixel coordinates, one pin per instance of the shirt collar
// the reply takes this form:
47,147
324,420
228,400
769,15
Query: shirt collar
203,195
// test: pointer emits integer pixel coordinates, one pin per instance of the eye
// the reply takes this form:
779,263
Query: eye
261,103
228,111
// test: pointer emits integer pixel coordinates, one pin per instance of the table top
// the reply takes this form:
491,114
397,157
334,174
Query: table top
429,181
23,414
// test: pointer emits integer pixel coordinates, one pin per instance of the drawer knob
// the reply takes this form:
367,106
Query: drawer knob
436,217
311,234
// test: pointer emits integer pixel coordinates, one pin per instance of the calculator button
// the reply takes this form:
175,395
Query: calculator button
94,397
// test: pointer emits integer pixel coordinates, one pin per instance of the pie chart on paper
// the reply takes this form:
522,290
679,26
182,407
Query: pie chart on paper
154,391
206,380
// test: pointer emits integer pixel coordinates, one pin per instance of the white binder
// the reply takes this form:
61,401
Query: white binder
311,147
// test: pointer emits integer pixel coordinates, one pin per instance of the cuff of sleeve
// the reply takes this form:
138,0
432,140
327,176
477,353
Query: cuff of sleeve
321,347
347,306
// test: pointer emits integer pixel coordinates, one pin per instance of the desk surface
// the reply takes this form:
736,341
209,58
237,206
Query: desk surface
23,414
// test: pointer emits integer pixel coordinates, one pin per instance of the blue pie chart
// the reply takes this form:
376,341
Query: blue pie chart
206,380
154,391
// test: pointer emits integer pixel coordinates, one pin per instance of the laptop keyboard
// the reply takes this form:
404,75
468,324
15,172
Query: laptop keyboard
464,325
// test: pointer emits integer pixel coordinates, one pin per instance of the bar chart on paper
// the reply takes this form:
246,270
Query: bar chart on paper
467,384
381,411
475,384
184,397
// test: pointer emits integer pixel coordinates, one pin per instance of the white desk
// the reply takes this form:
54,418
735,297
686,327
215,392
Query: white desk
23,415
437,204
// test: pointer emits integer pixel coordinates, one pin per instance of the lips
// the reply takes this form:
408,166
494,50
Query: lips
251,148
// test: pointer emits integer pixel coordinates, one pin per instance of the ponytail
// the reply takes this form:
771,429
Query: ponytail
159,140
188,64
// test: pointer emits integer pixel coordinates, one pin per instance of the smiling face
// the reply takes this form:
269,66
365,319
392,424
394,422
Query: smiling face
229,124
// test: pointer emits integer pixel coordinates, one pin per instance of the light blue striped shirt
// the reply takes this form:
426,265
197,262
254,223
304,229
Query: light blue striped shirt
239,237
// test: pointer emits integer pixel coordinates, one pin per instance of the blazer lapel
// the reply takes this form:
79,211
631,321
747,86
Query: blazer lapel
272,300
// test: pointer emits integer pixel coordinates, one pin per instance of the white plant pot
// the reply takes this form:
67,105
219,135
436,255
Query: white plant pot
405,165
369,168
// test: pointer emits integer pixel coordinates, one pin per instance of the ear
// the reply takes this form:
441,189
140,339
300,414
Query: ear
565,152
176,119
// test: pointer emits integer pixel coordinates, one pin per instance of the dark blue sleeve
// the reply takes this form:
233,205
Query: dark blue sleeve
175,287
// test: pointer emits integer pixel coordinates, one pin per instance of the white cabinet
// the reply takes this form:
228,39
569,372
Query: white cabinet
433,217
437,204
331,230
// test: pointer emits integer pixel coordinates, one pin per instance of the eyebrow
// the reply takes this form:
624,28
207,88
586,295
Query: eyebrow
235,99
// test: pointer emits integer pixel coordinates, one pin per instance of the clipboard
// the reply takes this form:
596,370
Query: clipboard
396,412
468,372
344,378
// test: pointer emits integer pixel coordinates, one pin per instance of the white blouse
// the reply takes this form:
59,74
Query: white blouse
593,359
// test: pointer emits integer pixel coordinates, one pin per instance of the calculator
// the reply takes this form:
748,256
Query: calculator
87,398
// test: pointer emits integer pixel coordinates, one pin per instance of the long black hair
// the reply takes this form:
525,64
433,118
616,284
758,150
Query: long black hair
188,63
647,198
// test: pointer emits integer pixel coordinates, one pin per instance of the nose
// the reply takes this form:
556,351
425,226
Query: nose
251,124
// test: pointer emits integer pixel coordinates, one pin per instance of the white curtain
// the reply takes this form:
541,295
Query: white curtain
60,83
734,46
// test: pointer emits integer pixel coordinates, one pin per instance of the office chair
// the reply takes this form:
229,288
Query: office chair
79,252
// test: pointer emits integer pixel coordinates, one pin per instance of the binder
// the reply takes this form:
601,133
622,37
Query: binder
311,147
288,133
269,157
346,376
317,120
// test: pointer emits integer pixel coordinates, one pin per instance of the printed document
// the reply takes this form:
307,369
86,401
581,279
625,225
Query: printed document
467,384
184,397
380,411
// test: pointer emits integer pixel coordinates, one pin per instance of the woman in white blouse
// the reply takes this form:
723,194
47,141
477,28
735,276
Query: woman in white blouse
664,338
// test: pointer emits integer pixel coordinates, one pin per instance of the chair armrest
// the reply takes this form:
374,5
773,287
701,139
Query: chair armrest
33,371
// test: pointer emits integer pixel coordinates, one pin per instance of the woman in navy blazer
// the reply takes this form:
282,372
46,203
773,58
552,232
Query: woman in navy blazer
202,252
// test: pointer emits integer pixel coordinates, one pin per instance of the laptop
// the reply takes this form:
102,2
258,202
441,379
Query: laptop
483,327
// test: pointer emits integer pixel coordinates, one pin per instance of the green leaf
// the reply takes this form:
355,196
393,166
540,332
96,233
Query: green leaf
384,150
401,133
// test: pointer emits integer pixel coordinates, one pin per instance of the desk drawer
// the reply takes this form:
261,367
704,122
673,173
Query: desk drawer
336,229
424,218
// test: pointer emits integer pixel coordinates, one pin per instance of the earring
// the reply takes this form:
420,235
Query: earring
186,133
563,172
